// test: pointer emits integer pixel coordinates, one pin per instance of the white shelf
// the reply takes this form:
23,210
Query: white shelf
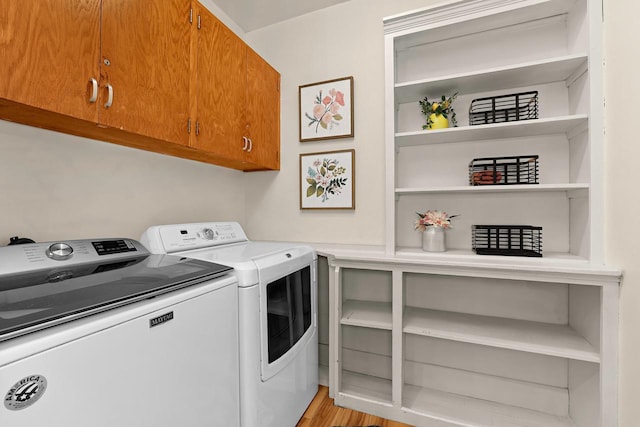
370,314
514,334
540,127
467,410
578,189
467,257
447,406
438,31
366,387
557,264
518,75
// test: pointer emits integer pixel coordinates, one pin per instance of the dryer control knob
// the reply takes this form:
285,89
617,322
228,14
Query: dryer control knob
59,251
207,234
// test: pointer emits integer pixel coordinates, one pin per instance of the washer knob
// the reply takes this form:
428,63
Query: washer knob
59,251
207,234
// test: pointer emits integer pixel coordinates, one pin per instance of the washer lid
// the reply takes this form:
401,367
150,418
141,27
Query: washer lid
39,299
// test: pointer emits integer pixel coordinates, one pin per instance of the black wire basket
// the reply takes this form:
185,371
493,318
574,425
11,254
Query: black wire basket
504,108
509,240
504,170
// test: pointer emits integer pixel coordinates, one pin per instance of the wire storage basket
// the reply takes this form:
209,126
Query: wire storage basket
504,170
504,108
509,240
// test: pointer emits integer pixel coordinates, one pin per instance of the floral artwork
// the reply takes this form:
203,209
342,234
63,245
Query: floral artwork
326,180
326,110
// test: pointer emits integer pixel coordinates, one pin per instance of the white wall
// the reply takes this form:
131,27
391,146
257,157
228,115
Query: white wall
55,186
339,41
622,197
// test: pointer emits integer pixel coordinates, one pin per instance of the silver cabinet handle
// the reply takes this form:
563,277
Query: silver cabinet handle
250,145
246,143
110,99
94,90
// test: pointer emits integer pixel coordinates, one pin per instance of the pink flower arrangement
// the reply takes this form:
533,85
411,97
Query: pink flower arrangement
326,110
433,219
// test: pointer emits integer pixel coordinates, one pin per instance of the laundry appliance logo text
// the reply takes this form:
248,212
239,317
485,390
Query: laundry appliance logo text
25,392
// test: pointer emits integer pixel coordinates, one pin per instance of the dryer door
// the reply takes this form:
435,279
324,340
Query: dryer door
287,312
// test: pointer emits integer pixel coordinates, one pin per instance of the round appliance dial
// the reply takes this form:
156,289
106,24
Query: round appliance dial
207,234
59,251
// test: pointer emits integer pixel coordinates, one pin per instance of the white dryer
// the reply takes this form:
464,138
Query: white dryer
277,314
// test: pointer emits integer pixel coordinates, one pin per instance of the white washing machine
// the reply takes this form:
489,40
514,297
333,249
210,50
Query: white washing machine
101,333
277,314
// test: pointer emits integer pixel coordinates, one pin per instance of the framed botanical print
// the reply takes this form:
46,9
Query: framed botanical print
327,180
326,110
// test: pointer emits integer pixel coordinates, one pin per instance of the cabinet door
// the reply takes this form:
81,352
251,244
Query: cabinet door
220,90
48,52
145,59
263,112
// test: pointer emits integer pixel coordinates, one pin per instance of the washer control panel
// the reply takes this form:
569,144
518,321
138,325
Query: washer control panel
180,237
33,256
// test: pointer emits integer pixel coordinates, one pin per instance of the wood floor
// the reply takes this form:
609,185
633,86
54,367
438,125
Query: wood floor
323,413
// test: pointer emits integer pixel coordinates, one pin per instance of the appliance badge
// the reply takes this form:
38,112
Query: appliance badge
161,319
25,392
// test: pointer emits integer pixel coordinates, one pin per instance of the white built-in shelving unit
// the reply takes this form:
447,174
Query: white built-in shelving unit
478,49
456,338
434,342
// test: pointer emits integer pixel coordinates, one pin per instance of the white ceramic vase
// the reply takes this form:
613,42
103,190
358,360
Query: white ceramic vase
433,239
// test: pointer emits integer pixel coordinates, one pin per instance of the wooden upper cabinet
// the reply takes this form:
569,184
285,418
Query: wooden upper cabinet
237,99
220,93
164,76
145,59
263,112
49,51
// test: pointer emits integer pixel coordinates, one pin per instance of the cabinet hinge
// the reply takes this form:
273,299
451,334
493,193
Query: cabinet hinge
191,16
189,126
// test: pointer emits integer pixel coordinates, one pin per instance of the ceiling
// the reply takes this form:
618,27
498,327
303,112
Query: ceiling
253,14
